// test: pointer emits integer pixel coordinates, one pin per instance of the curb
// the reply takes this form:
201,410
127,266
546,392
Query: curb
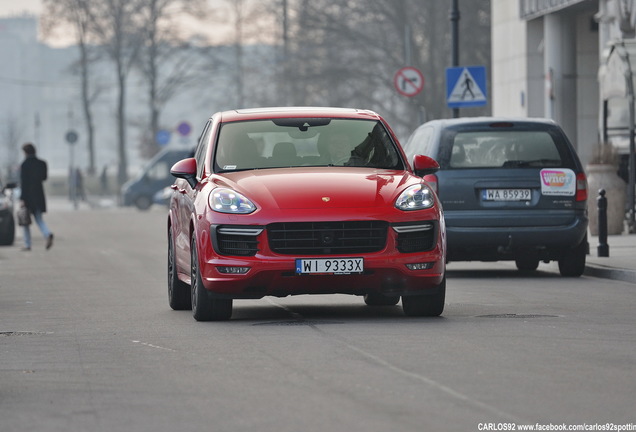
600,271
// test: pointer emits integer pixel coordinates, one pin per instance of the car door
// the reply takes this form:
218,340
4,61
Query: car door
186,196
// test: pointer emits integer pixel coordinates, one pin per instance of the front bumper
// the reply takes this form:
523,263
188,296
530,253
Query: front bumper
277,277
385,271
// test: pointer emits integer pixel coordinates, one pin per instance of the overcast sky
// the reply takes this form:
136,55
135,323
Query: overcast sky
9,8
17,7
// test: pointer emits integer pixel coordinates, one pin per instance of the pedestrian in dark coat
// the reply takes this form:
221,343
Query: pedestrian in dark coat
33,173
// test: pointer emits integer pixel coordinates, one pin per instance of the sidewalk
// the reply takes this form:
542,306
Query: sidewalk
621,263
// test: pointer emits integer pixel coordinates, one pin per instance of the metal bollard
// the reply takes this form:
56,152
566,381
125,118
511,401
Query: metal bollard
603,247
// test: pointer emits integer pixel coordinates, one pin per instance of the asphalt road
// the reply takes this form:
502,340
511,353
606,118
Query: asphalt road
88,343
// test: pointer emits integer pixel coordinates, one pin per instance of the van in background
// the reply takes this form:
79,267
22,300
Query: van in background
155,176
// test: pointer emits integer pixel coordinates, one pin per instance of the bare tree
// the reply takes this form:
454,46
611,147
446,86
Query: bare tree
346,53
168,60
77,13
116,27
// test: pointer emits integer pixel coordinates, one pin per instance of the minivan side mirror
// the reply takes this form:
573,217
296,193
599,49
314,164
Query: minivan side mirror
424,165
186,169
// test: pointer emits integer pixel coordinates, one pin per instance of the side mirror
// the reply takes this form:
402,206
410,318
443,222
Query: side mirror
186,169
424,165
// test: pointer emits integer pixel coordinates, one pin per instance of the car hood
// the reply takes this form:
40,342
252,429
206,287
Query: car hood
319,187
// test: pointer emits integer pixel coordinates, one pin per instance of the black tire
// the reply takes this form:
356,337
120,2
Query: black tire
377,299
527,263
178,291
8,237
204,306
425,305
143,202
572,263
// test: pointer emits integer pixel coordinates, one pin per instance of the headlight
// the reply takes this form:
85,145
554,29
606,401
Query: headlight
228,201
416,197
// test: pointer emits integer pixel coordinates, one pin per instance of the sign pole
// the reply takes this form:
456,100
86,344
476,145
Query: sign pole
71,139
454,18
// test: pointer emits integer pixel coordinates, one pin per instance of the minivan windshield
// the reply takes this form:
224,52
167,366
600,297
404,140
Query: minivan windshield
307,142
505,149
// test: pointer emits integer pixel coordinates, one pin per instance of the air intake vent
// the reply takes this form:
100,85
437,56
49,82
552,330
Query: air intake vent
415,238
236,240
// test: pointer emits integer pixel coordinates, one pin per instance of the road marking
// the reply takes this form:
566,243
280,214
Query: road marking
412,375
152,346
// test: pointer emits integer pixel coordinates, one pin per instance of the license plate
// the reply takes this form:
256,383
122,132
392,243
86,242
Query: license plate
506,194
329,265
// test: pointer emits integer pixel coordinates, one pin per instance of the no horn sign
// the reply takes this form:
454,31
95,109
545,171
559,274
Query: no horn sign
408,81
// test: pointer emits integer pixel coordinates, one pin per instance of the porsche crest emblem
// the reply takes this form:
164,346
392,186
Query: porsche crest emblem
326,199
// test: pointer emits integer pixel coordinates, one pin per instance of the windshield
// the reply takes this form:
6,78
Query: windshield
504,149
305,142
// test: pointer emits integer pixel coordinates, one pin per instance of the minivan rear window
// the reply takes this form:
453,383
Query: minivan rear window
504,149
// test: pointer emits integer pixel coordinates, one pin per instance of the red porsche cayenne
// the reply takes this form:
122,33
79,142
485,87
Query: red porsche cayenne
285,201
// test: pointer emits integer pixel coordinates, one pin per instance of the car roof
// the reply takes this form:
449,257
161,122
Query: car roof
465,121
296,112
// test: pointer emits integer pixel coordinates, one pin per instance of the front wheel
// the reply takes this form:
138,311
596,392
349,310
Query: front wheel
426,305
143,202
205,307
178,291
572,263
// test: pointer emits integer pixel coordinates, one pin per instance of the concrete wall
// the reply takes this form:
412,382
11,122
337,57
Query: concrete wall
519,85
587,87
509,61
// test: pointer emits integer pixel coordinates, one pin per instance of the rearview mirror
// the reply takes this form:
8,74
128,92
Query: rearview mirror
424,165
186,169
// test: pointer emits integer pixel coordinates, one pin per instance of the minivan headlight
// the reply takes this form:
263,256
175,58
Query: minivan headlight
416,197
225,200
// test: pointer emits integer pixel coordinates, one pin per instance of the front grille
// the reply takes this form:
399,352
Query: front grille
415,238
326,238
235,240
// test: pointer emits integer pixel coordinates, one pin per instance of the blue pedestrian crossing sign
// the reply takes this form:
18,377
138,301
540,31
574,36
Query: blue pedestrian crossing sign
466,86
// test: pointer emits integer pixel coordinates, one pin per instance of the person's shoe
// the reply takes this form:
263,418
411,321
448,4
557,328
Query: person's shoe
25,249
49,241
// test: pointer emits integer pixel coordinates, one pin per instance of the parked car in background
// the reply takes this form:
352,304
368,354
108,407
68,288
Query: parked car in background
7,219
286,201
140,191
512,189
